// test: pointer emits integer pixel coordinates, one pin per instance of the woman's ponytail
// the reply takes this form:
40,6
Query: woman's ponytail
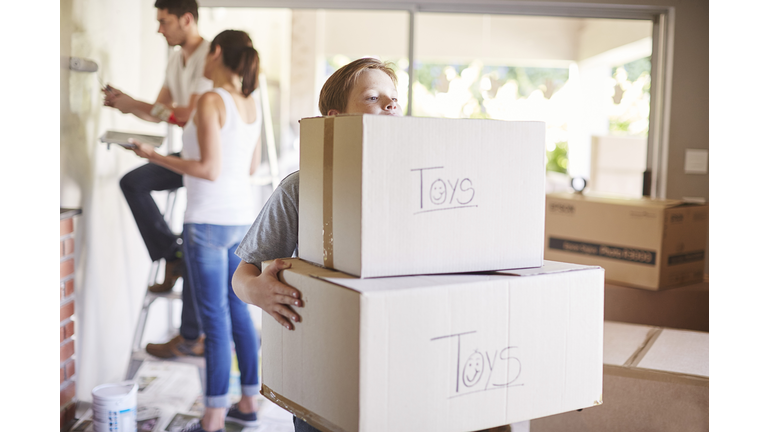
239,56
250,70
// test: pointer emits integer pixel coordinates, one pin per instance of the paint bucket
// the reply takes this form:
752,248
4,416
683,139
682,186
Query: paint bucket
114,407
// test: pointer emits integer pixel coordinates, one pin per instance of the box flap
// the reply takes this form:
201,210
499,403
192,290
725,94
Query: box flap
370,285
619,200
624,342
679,351
549,267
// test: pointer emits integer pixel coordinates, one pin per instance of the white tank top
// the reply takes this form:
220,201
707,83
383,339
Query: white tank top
229,199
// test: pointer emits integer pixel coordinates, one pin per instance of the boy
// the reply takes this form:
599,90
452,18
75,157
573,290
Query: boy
364,86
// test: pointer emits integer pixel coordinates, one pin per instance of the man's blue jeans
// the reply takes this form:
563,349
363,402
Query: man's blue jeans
137,186
209,251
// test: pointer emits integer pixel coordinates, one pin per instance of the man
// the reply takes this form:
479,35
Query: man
183,85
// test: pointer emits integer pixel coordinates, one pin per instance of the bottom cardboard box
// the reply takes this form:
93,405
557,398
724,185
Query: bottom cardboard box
656,379
684,307
449,353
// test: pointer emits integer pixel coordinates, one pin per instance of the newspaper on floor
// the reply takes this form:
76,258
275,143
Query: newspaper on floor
165,390
170,397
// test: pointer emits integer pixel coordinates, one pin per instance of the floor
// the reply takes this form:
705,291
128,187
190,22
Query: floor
169,394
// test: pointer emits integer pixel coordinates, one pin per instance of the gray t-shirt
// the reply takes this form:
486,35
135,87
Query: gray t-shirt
275,232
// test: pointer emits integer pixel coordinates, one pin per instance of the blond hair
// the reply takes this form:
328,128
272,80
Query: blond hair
335,92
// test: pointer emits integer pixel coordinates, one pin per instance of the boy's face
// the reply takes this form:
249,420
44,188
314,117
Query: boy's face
373,93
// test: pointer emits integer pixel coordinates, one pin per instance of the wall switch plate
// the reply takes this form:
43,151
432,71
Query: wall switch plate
696,161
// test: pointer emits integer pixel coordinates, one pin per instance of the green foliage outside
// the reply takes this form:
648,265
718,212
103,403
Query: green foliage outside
528,79
633,81
635,69
557,159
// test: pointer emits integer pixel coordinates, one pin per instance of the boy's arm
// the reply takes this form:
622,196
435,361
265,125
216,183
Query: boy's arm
267,292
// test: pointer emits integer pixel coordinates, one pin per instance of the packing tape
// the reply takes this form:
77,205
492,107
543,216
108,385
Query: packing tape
630,370
638,355
328,193
299,411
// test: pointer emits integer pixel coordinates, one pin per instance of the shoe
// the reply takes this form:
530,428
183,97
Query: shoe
235,415
177,347
173,270
195,426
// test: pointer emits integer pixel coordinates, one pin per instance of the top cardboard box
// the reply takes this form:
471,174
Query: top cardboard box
642,243
394,196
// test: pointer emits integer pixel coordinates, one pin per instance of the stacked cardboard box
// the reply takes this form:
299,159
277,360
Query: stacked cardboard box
389,341
644,243
646,246
685,307
393,196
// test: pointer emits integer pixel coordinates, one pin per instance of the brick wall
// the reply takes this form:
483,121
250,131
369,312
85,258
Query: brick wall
67,324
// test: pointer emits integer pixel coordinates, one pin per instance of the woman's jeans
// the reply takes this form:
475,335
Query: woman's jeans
209,251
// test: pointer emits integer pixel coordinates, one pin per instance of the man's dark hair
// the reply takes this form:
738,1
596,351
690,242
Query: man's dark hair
178,7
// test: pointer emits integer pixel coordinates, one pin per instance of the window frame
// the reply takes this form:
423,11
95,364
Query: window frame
661,57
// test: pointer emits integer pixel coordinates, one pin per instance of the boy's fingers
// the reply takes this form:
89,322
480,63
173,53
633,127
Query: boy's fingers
288,291
278,287
282,264
281,320
290,300
276,265
287,312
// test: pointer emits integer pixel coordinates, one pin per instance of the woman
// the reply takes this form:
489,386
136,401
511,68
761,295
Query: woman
221,149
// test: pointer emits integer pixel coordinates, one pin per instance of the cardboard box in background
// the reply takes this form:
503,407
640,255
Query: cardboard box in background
643,243
392,196
453,353
656,379
684,307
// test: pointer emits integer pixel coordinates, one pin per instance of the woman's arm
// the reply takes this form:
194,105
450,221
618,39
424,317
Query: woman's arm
209,119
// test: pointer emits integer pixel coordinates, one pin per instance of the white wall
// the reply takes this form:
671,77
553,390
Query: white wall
112,263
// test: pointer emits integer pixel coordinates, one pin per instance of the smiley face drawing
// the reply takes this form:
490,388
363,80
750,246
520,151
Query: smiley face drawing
437,192
473,369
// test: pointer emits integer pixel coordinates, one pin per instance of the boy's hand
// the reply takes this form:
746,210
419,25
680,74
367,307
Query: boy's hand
265,290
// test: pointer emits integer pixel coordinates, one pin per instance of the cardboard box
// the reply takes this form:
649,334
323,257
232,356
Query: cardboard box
446,352
684,307
643,243
656,379
392,196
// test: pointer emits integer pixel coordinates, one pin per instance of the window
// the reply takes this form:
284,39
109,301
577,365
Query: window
585,71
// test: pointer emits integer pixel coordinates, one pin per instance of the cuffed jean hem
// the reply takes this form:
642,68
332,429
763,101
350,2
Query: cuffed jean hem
221,401
249,390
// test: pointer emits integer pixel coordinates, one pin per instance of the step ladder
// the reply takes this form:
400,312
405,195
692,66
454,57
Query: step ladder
138,354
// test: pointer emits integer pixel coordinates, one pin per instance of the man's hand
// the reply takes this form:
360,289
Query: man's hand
265,290
116,99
